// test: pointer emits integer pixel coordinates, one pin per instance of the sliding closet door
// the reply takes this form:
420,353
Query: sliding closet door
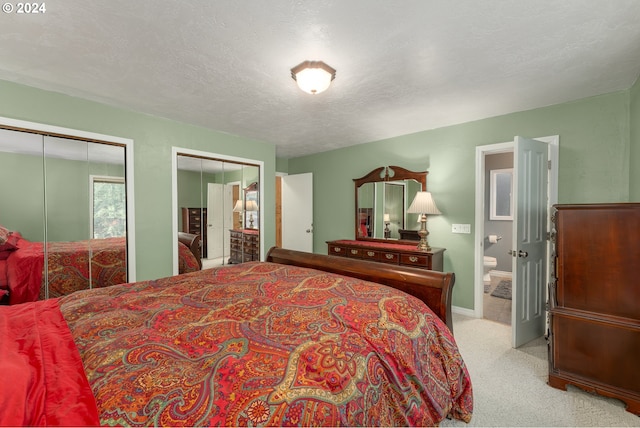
211,198
85,205
22,184
107,206
67,255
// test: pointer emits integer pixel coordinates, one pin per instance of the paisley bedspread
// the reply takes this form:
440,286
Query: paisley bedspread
261,344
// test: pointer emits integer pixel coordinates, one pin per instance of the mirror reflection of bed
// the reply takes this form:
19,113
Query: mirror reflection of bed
64,204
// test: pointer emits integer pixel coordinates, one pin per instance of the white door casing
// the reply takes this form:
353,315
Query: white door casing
529,247
297,212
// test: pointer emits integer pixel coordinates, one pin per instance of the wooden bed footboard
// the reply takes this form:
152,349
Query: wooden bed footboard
433,288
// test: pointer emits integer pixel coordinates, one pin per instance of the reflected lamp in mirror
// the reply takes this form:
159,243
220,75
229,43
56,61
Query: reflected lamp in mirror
251,206
424,205
237,208
387,231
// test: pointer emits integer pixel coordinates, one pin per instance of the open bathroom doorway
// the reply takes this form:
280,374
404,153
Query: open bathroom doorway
498,235
527,316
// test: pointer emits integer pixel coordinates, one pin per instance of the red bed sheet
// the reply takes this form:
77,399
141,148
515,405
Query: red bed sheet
43,381
266,344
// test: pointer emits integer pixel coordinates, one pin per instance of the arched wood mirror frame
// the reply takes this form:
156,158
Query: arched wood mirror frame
370,215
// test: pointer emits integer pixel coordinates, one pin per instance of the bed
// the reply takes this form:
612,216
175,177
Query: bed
69,267
300,339
72,266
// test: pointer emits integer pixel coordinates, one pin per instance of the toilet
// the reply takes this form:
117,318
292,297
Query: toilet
489,263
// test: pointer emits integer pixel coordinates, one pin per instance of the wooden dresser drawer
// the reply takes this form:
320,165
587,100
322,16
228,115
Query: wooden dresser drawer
416,260
356,253
389,257
337,250
371,255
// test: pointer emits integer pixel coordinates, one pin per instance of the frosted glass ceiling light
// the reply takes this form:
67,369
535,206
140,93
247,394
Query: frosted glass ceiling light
313,77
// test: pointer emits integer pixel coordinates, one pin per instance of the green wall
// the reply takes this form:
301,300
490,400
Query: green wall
67,195
153,138
594,167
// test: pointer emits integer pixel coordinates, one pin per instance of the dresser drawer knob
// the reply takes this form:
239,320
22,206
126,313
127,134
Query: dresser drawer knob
354,251
370,253
389,256
337,249
413,259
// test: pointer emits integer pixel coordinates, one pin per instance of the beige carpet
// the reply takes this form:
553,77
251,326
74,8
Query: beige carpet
510,384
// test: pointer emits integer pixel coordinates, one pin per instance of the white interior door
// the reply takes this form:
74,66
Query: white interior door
215,220
529,240
297,212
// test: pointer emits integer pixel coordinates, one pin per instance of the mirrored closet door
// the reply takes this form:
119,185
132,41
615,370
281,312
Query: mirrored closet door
219,201
64,205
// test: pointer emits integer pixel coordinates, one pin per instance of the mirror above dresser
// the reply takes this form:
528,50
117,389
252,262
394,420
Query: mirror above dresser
382,199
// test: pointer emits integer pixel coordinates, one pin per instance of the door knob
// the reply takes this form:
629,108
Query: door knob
522,254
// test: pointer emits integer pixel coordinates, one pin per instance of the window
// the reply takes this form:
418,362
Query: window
108,207
501,194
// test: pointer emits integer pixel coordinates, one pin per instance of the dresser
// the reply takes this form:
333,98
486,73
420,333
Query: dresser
594,300
194,220
388,252
245,245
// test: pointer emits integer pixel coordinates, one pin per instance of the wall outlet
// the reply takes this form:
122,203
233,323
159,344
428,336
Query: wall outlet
460,228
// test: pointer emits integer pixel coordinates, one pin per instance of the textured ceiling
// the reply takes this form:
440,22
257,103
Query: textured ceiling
402,66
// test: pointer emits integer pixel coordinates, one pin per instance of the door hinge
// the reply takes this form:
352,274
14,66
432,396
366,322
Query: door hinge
549,164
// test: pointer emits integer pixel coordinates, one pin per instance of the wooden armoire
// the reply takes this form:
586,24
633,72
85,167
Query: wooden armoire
594,298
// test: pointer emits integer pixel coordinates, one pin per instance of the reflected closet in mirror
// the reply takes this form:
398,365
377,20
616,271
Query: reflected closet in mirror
65,208
382,199
217,198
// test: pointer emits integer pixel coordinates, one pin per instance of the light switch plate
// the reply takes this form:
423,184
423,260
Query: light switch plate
461,228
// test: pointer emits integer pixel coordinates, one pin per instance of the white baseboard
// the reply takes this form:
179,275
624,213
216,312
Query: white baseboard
463,311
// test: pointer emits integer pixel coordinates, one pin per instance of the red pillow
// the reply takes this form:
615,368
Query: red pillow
11,242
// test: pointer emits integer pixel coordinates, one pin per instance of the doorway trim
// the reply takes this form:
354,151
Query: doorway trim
481,151
174,191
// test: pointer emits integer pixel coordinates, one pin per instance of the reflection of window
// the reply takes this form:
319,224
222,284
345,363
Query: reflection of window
108,207
501,194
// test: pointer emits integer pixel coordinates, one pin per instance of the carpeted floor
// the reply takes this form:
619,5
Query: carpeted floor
510,386
496,308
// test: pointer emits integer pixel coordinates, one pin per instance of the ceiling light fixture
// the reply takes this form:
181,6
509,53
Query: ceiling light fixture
313,77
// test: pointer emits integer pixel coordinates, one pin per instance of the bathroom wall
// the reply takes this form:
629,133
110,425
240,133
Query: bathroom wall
502,228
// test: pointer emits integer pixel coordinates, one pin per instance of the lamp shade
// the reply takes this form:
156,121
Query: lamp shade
237,208
423,203
386,218
251,206
313,77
